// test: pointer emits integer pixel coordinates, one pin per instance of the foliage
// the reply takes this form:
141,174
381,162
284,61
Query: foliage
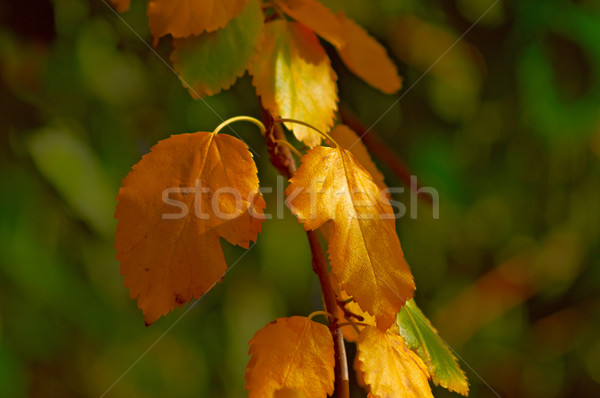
167,263
169,258
364,250
504,126
292,355
420,336
388,367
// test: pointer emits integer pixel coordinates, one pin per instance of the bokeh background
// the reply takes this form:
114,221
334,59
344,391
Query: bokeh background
506,127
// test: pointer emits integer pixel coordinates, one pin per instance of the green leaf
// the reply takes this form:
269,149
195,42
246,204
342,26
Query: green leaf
213,61
421,336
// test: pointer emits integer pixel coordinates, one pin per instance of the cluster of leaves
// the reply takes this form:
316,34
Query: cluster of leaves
215,42
167,262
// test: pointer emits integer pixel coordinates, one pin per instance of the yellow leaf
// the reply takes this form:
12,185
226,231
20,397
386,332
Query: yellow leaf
121,5
293,76
291,357
390,369
364,250
317,17
183,18
173,207
349,140
366,58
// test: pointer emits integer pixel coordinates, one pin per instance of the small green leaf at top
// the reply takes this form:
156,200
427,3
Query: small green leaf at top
421,337
211,62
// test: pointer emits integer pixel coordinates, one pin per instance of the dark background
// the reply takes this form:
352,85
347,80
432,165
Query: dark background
506,127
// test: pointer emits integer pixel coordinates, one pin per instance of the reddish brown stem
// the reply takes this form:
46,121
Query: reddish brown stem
281,158
383,152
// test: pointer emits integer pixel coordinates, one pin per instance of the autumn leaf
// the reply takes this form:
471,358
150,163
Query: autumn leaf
293,76
359,51
183,18
366,58
317,17
291,357
173,208
364,250
389,368
422,337
121,5
214,60
348,139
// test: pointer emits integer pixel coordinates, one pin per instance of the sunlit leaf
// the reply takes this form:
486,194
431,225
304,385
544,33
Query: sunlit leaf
390,369
213,61
183,18
349,140
291,357
366,58
293,76
422,337
361,53
174,206
317,17
364,249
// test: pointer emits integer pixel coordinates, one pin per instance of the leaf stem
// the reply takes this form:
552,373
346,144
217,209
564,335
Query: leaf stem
241,119
324,313
327,136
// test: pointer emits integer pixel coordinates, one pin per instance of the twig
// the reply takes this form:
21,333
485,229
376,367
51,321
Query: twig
281,158
347,313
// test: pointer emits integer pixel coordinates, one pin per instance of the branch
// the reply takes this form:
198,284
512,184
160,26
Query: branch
382,152
281,158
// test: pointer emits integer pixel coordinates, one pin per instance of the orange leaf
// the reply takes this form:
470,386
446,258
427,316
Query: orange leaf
183,18
291,357
349,140
317,17
293,76
173,207
390,369
366,58
121,5
364,249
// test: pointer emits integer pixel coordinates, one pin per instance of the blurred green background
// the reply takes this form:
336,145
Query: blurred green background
506,127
